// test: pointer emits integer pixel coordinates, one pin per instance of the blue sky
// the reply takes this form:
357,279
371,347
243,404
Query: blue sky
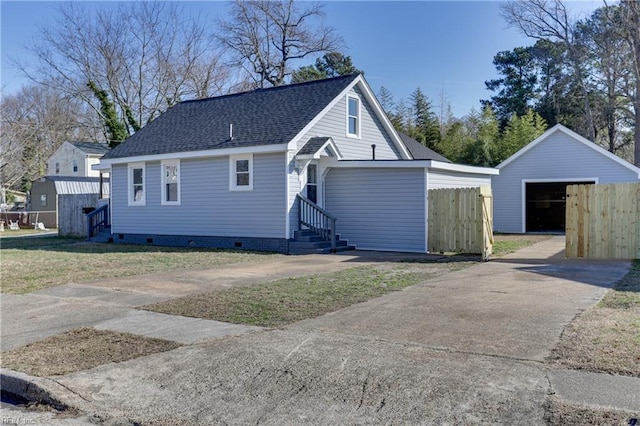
440,46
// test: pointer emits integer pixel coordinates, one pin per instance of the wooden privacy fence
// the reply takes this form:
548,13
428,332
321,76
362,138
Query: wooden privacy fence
603,221
461,220
72,221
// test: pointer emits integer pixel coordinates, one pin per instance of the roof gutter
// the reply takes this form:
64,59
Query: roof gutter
264,149
411,164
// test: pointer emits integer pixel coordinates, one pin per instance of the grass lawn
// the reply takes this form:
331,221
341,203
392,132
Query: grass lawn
286,301
30,264
508,243
25,232
606,338
560,413
81,349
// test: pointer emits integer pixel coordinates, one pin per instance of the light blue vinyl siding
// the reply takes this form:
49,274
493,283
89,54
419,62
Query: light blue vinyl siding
334,125
557,158
378,209
207,207
438,179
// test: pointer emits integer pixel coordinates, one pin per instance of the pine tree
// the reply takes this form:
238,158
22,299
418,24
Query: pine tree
518,133
426,128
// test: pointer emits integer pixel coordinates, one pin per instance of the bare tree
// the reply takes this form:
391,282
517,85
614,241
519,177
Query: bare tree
550,20
265,37
608,57
35,122
630,28
145,55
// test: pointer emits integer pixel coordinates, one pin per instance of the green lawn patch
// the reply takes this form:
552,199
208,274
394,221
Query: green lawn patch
508,243
30,264
285,301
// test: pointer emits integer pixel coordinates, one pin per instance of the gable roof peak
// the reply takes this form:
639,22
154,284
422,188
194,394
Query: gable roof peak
260,117
575,136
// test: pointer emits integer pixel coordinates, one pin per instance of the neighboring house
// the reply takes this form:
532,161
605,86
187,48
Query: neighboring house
243,170
60,202
76,159
529,193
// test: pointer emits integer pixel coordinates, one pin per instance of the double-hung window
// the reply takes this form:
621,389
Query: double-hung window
241,172
75,166
353,116
136,184
170,182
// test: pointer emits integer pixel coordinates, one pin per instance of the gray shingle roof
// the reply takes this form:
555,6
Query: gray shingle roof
92,148
419,151
259,117
313,145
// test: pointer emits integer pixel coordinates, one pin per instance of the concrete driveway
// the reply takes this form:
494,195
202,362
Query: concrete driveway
464,348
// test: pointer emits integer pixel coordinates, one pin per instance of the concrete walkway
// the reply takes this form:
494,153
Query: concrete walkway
109,303
464,348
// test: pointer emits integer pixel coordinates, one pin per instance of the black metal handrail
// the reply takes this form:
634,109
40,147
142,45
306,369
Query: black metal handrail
97,220
317,220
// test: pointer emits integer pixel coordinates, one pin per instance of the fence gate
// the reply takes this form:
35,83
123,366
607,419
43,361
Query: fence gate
461,220
603,221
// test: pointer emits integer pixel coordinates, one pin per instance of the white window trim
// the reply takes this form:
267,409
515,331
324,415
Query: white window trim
163,190
130,194
232,172
359,117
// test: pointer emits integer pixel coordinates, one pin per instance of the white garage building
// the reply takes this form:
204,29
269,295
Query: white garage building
529,192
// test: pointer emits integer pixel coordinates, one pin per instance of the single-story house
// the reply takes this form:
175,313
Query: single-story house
529,193
249,170
76,159
60,202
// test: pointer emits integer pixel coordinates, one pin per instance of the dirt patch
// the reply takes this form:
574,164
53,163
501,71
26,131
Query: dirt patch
606,338
560,413
79,350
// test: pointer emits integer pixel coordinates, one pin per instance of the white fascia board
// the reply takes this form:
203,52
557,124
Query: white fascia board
412,164
264,149
386,164
440,165
100,167
316,155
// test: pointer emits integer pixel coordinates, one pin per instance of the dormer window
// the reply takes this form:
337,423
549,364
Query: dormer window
353,116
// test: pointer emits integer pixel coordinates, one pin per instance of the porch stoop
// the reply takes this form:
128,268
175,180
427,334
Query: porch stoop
308,242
